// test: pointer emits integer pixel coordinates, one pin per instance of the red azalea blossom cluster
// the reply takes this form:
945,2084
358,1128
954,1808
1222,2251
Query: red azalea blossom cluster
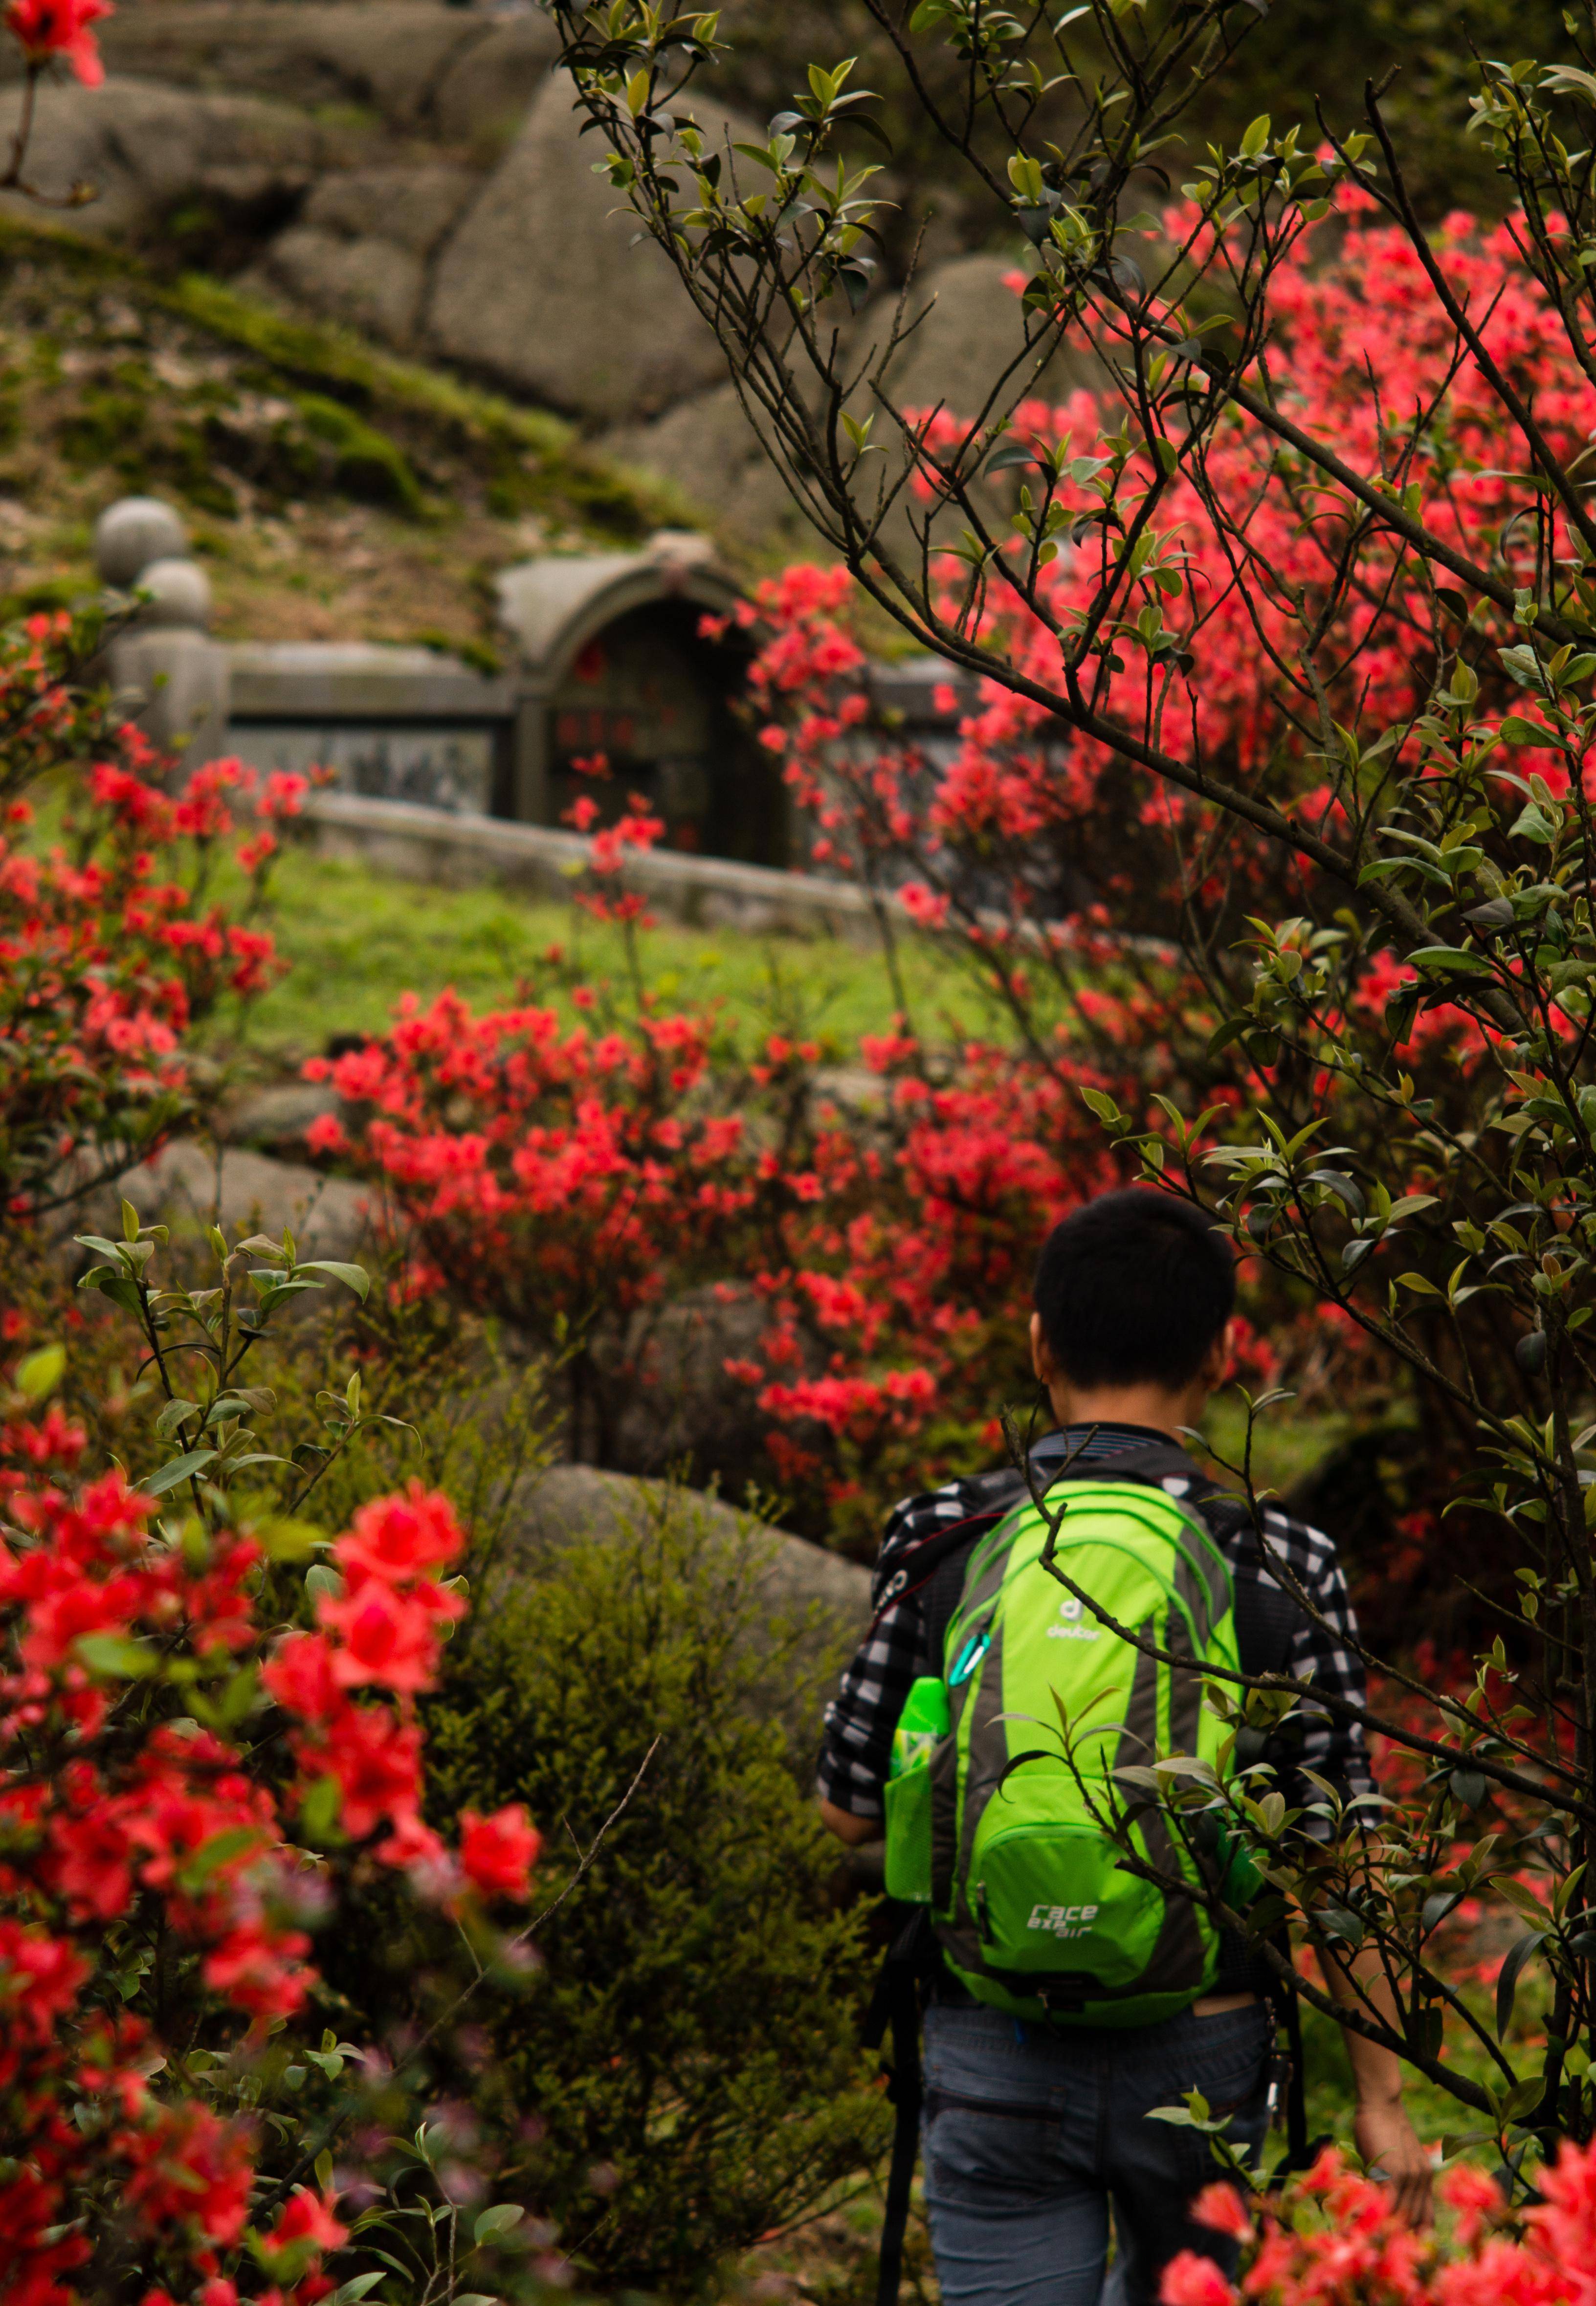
633,834
1335,2242
110,948
889,1261
577,1182
125,1825
1057,824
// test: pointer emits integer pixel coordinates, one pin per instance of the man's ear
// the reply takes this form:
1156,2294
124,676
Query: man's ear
1216,1361
1041,1352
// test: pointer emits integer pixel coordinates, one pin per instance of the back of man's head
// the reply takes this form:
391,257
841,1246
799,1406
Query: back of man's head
1133,1289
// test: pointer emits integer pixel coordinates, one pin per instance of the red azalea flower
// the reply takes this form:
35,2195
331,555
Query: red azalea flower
498,1853
44,29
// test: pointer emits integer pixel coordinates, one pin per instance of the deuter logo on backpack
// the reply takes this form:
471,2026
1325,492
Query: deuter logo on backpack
1063,1921
1071,1630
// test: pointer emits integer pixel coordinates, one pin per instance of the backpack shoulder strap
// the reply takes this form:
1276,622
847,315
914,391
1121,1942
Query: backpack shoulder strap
936,1570
1267,1620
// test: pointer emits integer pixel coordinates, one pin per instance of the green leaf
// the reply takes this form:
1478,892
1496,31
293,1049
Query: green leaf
354,1276
1448,959
1532,824
117,1286
116,1654
1523,2097
177,1469
319,1811
220,1850
40,1372
1102,1106
497,2221
1507,1982
284,1538
358,2283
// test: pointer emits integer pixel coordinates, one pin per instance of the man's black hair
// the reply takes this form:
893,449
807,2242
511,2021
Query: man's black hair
1134,1288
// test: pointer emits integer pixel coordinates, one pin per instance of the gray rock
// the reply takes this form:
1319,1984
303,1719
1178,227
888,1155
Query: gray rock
275,1120
390,58
788,1578
708,449
186,1186
965,327
540,288
370,284
413,208
490,80
968,325
676,1407
144,148
359,252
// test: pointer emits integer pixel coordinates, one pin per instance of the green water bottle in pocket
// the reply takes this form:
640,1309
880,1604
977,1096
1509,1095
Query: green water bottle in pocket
922,1726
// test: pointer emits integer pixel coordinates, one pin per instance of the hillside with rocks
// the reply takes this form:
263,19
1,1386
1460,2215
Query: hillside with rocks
332,489
320,210
412,171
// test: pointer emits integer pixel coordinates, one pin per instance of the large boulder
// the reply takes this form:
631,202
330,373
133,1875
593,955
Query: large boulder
146,149
542,287
962,326
359,251
490,78
708,449
416,63
828,1599
188,1185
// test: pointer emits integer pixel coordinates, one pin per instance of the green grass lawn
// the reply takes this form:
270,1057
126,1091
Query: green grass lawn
356,940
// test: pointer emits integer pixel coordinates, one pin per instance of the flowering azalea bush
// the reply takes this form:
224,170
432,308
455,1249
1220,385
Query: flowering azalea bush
113,942
199,1744
583,1181
1332,2240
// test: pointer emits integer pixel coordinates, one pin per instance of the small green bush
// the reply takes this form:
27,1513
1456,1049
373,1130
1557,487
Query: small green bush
683,2076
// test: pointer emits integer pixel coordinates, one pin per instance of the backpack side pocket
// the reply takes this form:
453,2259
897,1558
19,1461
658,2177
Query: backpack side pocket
908,1835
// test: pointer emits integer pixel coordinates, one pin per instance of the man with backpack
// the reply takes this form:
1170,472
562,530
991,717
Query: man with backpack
997,1720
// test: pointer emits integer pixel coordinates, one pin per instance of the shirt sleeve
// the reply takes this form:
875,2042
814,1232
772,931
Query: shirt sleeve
1324,1653
856,1743
856,1746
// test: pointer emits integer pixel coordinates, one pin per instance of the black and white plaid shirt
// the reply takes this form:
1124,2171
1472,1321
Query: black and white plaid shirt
859,1721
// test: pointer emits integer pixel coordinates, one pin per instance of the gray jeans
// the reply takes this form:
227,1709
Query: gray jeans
1030,2134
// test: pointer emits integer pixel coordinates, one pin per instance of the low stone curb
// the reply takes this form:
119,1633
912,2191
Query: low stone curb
457,848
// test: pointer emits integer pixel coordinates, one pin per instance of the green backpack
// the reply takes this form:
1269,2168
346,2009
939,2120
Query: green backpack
989,1825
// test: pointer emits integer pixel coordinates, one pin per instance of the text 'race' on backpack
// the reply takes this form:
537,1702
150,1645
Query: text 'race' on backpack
1006,1814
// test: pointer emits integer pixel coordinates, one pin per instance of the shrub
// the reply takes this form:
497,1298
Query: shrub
202,1744
112,943
1333,2241
688,2059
